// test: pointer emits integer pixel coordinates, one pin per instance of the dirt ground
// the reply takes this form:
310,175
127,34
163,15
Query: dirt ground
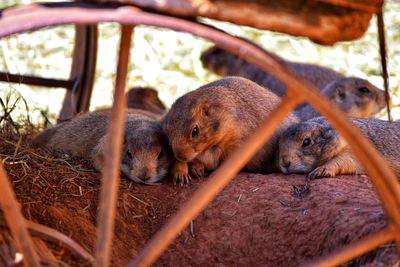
268,220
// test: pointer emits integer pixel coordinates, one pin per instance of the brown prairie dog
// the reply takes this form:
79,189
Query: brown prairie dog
225,63
315,148
146,156
145,98
206,125
357,97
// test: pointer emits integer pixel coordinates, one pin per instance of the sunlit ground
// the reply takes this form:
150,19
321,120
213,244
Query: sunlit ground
169,61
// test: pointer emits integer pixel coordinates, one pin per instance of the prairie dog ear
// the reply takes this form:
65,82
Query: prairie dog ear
203,109
329,134
98,161
97,154
338,93
153,93
210,110
206,110
325,134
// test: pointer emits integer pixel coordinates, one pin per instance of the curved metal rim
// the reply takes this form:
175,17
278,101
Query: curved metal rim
20,19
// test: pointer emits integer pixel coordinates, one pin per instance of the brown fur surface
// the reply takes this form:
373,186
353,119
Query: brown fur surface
208,124
271,220
357,97
315,147
145,98
145,157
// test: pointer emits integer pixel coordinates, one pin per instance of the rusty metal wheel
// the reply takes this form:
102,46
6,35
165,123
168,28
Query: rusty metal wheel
22,19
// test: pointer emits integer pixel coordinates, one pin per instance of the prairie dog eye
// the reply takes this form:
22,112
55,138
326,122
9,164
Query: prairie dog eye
129,154
306,142
161,154
342,96
363,90
195,131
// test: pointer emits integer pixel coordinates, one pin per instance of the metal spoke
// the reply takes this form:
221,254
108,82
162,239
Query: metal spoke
110,177
356,249
16,221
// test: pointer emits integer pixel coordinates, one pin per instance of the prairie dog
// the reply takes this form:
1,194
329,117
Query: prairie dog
145,98
208,124
146,156
357,97
225,63
314,147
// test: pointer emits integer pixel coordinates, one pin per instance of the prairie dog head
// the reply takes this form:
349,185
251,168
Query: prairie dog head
146,155
208,117
215,59
357,97
145,98
307,145
225,63
192,126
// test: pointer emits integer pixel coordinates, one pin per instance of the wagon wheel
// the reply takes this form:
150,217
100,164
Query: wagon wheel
21,19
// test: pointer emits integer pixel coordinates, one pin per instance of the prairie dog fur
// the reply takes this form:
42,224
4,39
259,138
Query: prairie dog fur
357,97
315,147
145,98
208,124
146,156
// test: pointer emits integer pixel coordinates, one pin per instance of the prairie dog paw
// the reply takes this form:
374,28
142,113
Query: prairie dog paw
322,171
182,178
180,172
196,168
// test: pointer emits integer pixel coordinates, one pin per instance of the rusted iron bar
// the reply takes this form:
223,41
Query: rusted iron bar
46,233
367,7
50,234
354,250
83,70
38,81
89,69
382,50
110,177
16,221
216,182
46,255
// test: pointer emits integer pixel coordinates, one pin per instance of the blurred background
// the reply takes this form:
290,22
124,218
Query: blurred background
169,61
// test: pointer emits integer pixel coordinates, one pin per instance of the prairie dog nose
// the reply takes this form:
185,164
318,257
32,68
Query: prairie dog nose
143,174
180,155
